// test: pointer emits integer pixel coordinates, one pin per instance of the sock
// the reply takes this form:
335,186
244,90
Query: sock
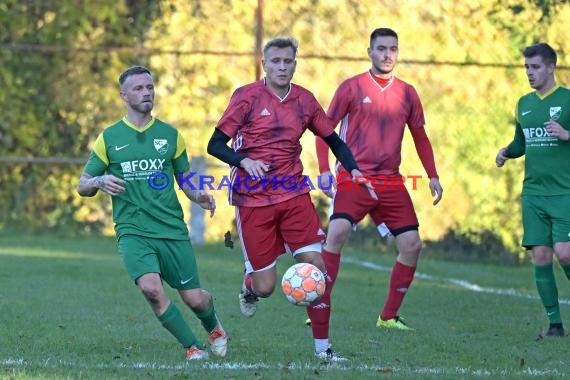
400,280
566,270
320,312
247,281
548,292
321,345
208,317
173,321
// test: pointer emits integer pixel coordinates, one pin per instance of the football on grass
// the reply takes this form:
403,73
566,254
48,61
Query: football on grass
303,284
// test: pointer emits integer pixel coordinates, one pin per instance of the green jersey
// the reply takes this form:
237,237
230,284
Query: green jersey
147,159
547,163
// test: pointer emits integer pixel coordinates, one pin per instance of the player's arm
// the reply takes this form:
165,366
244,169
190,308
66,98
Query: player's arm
515,149
425,153
338,108
201,197
327,179
89,185
346,158
218,147
97,163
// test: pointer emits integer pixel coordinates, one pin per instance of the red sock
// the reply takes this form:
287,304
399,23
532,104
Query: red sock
247,281
400,280
320,312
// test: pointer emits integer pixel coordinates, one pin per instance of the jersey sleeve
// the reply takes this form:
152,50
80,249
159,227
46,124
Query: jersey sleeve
180,162
322,149
233,116
340,103
416,117
320,125
98,161
517,147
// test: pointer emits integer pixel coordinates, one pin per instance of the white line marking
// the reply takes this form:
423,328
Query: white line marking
20,362
461,283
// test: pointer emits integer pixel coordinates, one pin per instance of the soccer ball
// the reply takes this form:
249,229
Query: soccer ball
303,284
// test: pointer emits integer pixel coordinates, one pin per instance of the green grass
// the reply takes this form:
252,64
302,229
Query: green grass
69,310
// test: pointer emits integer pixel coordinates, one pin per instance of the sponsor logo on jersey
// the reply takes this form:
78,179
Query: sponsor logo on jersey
265,112
161,145
535,133
154,164
525,112
366,100
555,113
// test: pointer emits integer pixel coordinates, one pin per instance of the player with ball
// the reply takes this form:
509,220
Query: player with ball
266,120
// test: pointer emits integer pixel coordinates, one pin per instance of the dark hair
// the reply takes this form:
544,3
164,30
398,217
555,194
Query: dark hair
282,42
543,50
382,32
134,70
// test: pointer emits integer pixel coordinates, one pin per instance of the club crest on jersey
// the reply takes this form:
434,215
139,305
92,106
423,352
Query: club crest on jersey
555,113
161,145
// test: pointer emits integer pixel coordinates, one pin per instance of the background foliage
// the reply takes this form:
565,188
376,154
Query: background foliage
60,61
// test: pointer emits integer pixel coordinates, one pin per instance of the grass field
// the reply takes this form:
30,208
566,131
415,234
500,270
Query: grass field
68,310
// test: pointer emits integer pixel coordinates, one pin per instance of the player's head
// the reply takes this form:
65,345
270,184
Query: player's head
279,62
540,62
543,50
137,88
383,51
281,43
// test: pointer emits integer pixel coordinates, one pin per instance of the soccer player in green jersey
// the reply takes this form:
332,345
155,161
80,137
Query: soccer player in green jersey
135,161
542,135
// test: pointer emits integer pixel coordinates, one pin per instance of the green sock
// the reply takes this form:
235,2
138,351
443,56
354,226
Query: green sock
173,321
546,285
208,317
566,270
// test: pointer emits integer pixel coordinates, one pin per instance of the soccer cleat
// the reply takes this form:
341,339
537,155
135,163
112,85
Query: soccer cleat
555,331
218,341
196,353
308,322
330,356
396,323
247,302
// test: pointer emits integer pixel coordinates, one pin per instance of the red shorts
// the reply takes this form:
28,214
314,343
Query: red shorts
394,207
268,232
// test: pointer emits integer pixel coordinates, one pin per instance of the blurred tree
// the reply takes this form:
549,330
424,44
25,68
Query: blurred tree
57,98
462,57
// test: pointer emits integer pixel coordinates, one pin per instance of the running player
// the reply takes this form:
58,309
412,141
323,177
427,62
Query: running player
134,161
274,212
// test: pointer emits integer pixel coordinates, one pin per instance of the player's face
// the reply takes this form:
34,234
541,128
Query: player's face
279,65
537,72
138,92
384,54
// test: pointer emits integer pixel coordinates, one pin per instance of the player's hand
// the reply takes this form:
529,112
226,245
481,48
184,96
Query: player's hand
110,184
328,183
205,200
501,157
556,130
361,180
255,168
436,190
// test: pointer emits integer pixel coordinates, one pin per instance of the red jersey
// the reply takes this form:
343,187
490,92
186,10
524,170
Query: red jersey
268,128
374,119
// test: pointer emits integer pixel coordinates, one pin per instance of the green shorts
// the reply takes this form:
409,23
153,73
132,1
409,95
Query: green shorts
546,220
173,259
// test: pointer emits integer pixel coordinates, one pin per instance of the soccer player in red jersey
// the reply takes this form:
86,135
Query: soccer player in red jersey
274,212
375,108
